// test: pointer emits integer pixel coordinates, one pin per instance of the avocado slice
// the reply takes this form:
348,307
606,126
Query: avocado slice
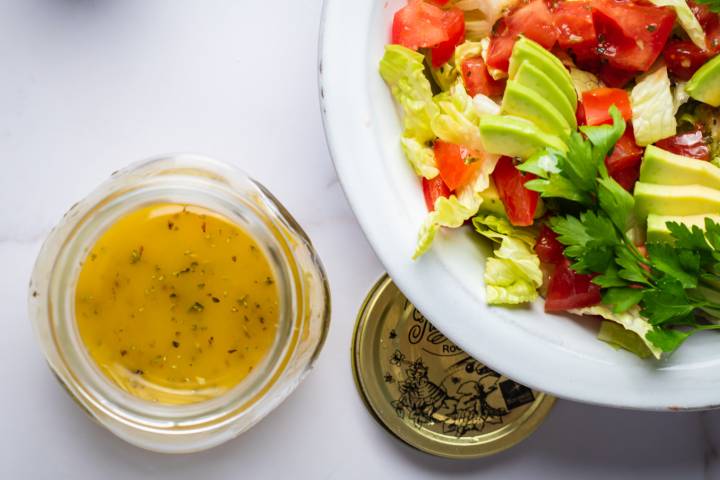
662,167
679,200
525,50
526,103
532,77
515,136
704,85
657,230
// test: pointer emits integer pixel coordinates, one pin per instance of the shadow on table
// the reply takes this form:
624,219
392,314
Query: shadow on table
588,438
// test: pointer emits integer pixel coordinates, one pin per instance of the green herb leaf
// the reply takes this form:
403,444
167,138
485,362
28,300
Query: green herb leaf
622,299
668,303
667,340
683,265
617,202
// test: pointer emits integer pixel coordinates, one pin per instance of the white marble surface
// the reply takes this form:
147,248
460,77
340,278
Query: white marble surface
88,86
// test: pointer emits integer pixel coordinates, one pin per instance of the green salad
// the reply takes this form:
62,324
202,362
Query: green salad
581,139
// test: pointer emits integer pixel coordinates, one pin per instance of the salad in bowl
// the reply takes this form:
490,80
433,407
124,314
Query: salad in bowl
581,139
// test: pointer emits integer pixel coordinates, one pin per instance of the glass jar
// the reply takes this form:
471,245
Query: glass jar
302,285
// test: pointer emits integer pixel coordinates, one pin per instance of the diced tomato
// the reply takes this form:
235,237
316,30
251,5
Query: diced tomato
533,20
580,114
597,103
575,25
432,190
454,22
683,58
623,163
632,34
499,50
477,79
691,144
547,247
451,161
615,78
439,3
568,289
419,25
520,203
706,18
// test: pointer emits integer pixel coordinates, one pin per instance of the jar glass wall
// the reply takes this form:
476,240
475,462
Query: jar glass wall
302,286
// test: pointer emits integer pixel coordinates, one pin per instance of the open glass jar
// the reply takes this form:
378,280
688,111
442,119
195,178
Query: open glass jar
304,302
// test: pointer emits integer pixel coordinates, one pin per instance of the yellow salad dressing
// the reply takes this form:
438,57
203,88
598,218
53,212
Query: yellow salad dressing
176,304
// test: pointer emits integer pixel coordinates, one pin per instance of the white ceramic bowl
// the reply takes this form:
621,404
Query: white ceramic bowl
554,353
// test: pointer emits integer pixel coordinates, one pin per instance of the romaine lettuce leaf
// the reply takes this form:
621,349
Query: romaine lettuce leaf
653,108
687,20
617,337
458,119
403,70
449,212
481,15
584,81
452,212
512,274
631,320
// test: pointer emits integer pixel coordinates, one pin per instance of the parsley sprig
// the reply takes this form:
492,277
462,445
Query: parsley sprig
672,283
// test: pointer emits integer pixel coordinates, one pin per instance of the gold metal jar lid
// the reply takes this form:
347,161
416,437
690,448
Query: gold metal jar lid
427,391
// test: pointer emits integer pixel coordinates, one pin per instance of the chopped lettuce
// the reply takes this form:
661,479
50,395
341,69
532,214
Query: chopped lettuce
617,337
458,119
584,81
481,15
403,70
631,321
687,20
452,212
494,72
445,76
680,96
449,212
467,49
512,274
653,108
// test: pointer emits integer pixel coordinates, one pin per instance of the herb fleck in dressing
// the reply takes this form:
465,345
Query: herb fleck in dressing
176,304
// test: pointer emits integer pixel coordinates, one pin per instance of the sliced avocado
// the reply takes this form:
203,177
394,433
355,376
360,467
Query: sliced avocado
532,77
515,137
526,103
675,199
705,83
662,167
657,230
526,50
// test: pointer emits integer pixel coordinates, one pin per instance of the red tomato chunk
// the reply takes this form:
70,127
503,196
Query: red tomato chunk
453,162
547,247
568,289
432,190
691,144
419,25
597,103
684,58
623,164
520,203
477,79
533,20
